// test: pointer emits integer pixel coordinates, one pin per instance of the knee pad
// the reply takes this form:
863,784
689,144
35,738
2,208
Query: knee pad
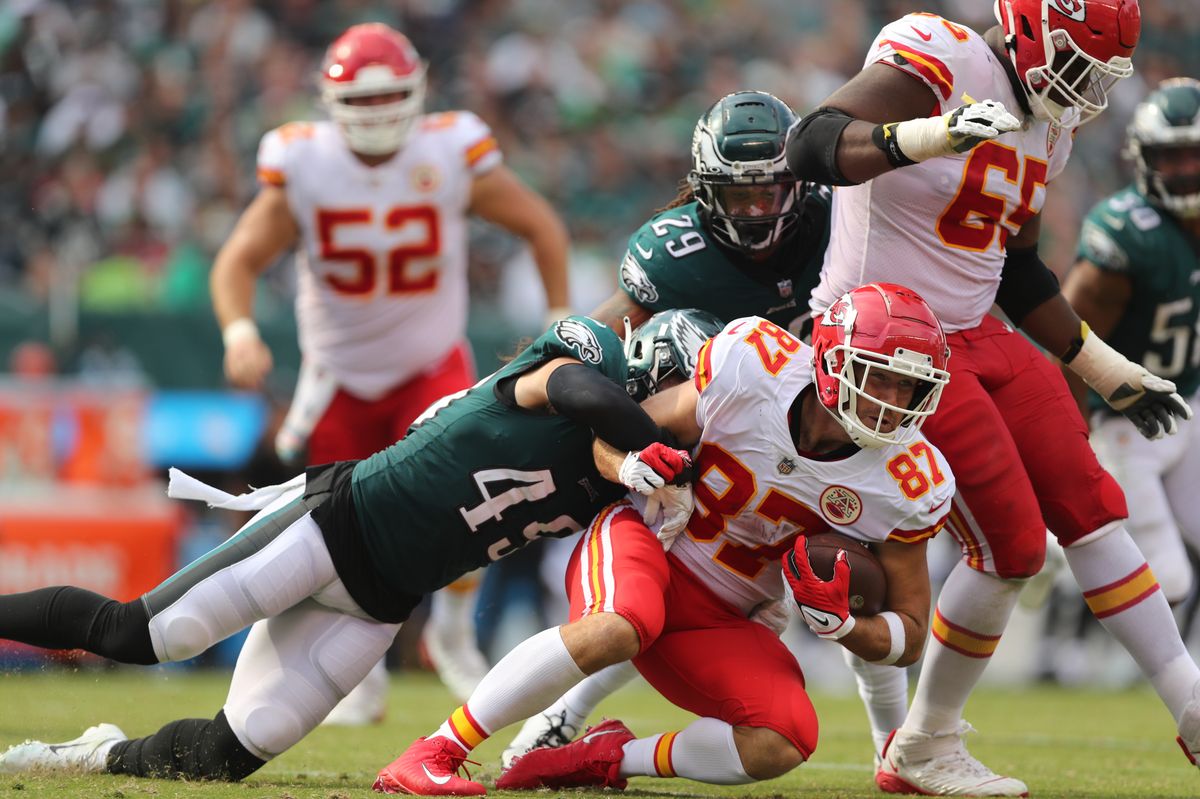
177,635
1021,557
270,729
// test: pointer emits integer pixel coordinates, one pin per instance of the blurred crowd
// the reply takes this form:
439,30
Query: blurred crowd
128,129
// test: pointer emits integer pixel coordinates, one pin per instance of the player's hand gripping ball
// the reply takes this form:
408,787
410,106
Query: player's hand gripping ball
868,582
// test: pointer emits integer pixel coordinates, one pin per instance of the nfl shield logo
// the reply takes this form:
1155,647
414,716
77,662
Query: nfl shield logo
785,288
786,466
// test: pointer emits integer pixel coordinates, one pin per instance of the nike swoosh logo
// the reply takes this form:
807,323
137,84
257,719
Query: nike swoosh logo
56,747
921,33
820,618
940,504
435,780
642,251
598,734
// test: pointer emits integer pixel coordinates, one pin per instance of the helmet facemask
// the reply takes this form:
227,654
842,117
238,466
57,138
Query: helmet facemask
749,200
1063,81
382,127
665,347
853,369
748,212
1164,144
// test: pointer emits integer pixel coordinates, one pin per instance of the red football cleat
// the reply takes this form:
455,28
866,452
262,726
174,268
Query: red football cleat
428,768
593,760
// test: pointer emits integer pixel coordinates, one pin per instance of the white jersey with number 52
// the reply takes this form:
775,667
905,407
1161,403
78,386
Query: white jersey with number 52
755,492
940,227
382,286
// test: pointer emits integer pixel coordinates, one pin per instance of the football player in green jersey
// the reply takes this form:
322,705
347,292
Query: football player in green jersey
743,237
337,558
1137,284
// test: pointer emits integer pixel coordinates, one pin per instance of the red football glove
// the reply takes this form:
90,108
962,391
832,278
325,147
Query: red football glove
825,606
653,468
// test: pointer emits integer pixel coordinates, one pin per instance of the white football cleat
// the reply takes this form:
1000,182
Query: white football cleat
939,765
1189,728
543,731
455,656
88,753
365,705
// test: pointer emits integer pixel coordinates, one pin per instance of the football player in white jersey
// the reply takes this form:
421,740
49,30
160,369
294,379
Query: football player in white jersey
941,149
789,440
376,203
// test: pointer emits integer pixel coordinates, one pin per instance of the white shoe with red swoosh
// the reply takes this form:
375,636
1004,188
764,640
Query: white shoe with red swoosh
939,765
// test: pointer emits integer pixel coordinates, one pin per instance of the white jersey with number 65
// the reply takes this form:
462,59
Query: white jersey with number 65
940,227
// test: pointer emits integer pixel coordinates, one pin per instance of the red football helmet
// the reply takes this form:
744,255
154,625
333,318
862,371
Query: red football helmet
369,61
879,326
1069,53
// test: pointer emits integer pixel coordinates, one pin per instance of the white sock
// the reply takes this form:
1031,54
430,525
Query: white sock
1123,594
703,751
579,702
522,683
884,692
452,609
972,611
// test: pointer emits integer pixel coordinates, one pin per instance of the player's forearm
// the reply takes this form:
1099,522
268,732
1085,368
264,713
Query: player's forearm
1055,326
232,286
872,639
551,248
831,147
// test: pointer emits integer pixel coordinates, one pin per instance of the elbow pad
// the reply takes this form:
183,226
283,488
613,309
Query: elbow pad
584,395
812,147
1025,283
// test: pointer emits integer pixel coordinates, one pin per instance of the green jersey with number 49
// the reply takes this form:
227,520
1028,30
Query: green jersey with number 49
1160,327
477,477
673,262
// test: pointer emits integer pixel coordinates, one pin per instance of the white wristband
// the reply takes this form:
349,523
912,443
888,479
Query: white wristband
922,139
239,330
896,628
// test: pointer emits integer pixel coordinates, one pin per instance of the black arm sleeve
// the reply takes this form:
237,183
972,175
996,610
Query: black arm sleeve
812,147
586,396
1025,283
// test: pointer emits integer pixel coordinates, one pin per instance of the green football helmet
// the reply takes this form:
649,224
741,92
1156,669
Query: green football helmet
666,345
748,198
1164,143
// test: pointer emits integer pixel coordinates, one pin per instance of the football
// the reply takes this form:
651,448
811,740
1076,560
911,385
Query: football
868,583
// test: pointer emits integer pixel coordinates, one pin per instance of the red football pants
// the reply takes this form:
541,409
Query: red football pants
355,428
1012,433
697,650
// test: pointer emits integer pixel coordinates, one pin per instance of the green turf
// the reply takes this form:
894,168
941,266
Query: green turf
1063,743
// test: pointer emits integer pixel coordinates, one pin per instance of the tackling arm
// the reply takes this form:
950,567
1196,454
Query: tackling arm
500,197
263,232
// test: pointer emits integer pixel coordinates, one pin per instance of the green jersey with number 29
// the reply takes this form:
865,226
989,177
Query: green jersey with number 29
1160,328
477,478
673,262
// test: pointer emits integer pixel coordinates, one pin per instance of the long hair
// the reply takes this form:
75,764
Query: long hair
685,196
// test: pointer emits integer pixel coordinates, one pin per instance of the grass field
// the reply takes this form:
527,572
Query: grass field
1063,743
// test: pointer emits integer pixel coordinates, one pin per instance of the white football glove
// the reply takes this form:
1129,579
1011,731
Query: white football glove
1149,401
955,132
674,504
650,469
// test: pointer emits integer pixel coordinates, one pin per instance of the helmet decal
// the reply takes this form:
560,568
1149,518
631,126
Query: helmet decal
666,345
1075,9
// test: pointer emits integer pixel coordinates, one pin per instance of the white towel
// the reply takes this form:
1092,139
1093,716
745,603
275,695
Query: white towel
184,486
